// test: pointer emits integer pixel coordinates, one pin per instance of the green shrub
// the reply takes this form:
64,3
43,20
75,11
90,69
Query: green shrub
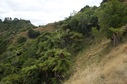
11,79
21,39
33,34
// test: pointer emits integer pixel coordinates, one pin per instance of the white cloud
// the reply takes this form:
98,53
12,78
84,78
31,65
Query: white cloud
42,11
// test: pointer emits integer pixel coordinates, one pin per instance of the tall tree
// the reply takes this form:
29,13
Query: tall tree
112,15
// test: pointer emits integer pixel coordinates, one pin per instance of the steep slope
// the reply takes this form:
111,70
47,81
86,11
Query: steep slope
101,65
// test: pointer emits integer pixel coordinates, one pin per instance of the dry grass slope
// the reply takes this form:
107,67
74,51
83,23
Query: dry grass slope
110,69
49,27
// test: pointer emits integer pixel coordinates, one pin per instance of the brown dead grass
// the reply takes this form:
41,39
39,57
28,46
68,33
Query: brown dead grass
112,69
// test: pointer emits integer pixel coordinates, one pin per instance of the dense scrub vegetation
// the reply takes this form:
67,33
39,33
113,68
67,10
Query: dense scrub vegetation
33,34
47,57
9,28
14,25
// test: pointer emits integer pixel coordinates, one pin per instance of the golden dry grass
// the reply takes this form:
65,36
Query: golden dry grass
112,68
49,27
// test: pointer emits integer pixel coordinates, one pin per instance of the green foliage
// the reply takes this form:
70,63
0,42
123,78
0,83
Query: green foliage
96,34
117,31
104,1
15,25
47,58
83,21
116,35
11,79
30,75
33,34
3,45
55,62
112,15
57,59
21,39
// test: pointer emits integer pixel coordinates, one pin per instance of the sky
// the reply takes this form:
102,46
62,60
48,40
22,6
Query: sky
41,12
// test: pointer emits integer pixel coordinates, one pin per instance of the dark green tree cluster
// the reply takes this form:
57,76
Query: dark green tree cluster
21,39
9,28
33,34
14,25
3,44
83,21
105,21
112,16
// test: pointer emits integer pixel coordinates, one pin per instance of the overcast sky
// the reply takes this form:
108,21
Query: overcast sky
41,12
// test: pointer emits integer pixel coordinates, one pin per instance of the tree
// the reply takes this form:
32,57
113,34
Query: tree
104,1
21,39
0,21
83,21
7,19
15,19
116,34
112,15
33,34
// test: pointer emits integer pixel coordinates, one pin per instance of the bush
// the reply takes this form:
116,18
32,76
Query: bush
21,39
33,34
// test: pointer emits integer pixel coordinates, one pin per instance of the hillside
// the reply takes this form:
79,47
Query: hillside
47,28
88,47
101,64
